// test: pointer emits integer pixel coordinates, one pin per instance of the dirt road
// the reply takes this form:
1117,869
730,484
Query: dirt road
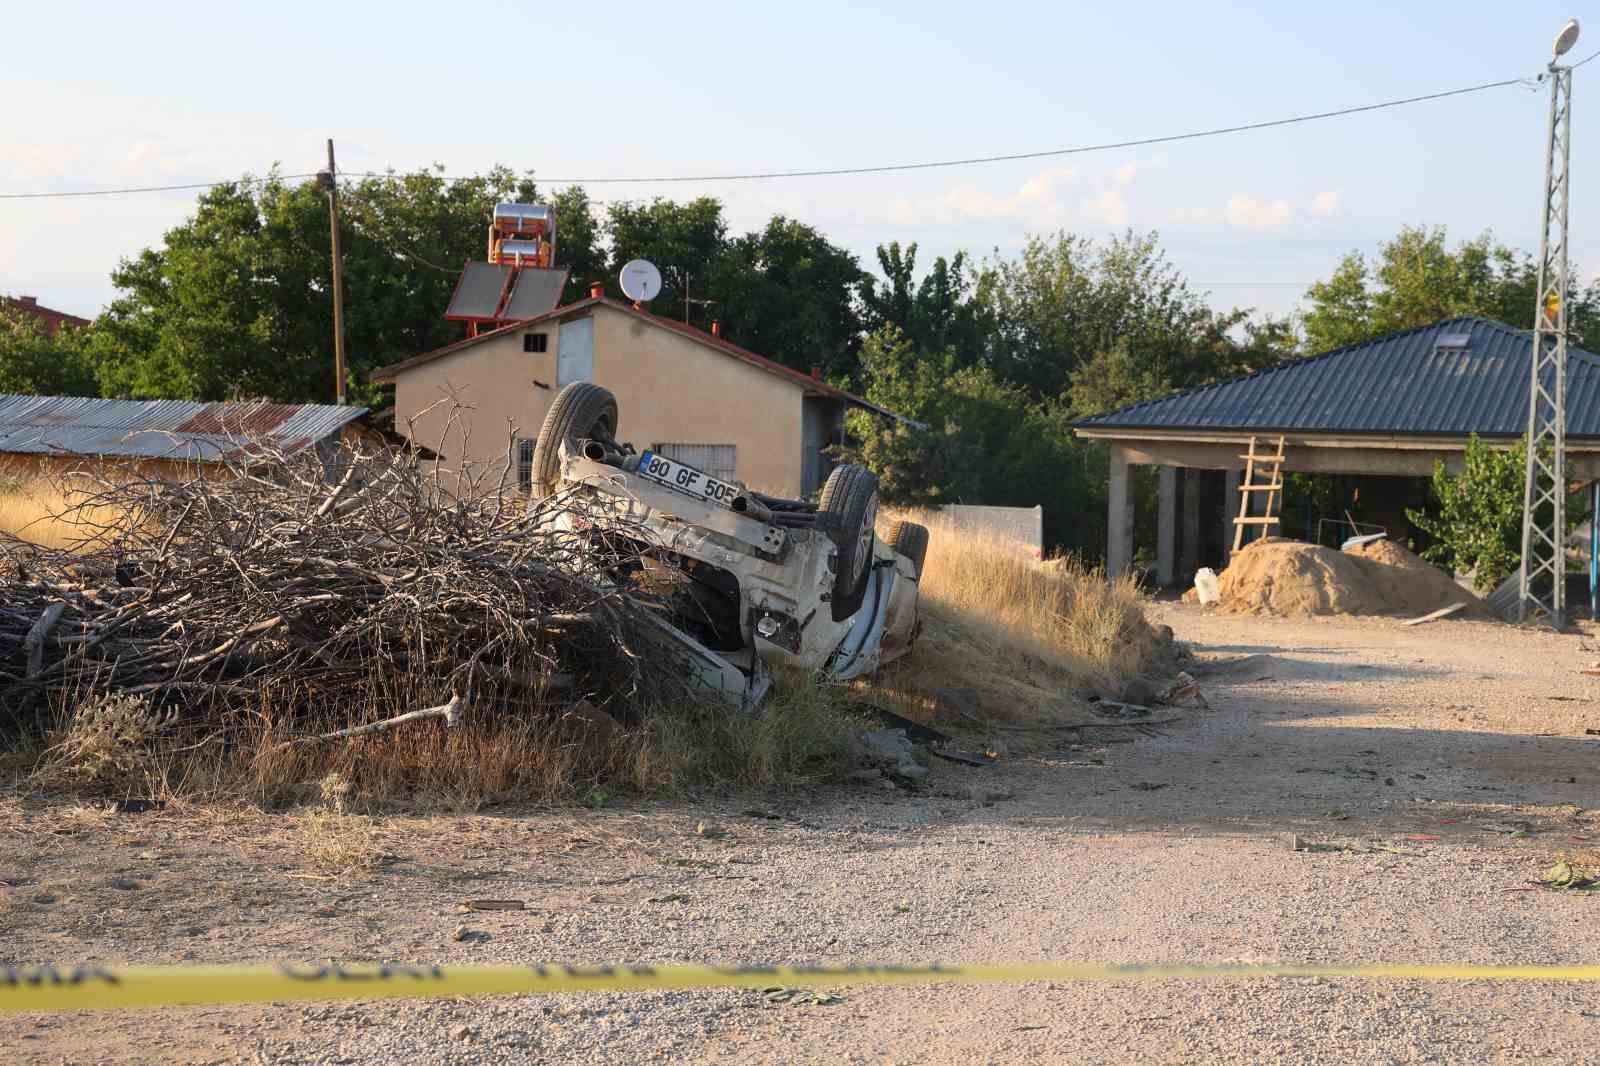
1428,773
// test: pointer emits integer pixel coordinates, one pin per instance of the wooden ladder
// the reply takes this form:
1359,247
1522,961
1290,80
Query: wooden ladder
1272,486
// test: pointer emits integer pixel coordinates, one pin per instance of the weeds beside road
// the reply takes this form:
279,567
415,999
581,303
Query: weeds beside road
213,625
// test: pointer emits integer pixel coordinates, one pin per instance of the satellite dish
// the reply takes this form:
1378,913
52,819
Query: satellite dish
1566,38
641,281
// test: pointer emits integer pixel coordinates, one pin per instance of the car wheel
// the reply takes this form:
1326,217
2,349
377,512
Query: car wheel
910,540
849,503
581,411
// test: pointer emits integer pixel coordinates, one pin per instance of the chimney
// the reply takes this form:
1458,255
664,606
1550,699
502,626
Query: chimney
816,373
597,289
28,301
716,328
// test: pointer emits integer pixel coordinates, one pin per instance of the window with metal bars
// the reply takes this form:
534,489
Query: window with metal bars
523,449
718,460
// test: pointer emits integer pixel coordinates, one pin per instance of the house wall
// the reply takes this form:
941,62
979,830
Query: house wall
672,390
669,389
28,467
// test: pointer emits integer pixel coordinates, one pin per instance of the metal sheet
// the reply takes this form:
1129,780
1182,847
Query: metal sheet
478,292
535,291
161,429
1399,384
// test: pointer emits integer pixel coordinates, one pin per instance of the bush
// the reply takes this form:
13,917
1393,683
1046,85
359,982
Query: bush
1477,522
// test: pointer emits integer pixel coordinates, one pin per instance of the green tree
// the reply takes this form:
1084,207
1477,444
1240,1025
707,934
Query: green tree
985,441
1066,300
787,292
1476,520
36,363
936,313
683,240
579,245
238,299
1418,279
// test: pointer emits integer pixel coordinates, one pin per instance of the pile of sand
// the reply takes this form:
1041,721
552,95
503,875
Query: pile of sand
1288,577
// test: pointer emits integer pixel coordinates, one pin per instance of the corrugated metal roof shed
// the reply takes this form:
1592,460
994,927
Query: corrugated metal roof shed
185,430
1422,381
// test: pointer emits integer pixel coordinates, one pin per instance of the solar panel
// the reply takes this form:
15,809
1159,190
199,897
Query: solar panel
477,295
535,291
1454,340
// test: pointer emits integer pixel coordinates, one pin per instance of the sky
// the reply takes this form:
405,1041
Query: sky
167,93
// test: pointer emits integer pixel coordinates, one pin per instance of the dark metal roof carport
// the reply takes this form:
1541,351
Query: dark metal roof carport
1393,405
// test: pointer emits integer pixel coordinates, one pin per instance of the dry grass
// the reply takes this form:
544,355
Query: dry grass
30,510
338,843
116,748
1029,639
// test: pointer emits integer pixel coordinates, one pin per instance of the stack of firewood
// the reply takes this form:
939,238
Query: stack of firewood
331,590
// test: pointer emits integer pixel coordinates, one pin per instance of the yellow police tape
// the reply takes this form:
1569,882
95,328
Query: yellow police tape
48,988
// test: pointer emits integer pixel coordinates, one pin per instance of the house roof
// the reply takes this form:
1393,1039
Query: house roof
387,374
185,430
47,317
1453,378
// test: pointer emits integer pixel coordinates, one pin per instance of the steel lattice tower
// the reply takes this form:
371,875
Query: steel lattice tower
1544,503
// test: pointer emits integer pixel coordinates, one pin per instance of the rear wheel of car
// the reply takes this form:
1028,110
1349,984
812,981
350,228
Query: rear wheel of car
850,503
581,411
910,540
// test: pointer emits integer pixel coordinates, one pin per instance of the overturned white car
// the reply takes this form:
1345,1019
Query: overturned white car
750,580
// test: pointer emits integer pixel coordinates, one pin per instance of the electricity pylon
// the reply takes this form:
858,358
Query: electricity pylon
1543,576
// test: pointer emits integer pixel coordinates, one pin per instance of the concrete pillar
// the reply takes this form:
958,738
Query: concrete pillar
1167,528
1189,556
1233,478
1119,515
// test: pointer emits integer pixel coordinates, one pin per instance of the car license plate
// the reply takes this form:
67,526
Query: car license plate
687,480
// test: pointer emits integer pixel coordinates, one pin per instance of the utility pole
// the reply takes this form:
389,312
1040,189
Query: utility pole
1542,578
329,180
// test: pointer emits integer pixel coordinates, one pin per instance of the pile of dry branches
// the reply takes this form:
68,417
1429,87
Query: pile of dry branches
335,590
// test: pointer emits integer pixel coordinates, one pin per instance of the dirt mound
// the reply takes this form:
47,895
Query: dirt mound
1277,576
1411,583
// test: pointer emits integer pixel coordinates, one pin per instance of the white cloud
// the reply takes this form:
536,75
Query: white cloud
1110,208
1055,197
1326,203
1256,214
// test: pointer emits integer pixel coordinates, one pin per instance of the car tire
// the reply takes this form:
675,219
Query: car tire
849,506
910,540
581,411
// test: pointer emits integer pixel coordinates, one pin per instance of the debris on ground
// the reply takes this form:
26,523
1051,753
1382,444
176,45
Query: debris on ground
1564,875
492,905
1183,687
891,752
327,588
1288,577
1432,616
965,758
776,994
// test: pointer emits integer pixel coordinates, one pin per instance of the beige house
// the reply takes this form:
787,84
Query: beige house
682,392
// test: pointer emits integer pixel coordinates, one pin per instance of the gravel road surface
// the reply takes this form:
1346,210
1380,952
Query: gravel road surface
1427,775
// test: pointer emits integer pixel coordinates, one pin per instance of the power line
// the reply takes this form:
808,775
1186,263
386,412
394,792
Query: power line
879,169
1054,152
131,191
